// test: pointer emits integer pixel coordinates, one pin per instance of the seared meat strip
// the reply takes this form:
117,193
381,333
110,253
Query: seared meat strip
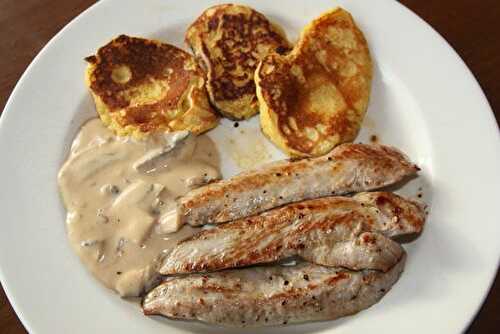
274,295
348,168
332,231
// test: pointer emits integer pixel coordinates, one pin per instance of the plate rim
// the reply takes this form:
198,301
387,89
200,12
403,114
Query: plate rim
7,114
493,120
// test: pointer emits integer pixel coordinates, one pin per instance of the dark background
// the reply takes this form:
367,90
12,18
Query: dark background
471,27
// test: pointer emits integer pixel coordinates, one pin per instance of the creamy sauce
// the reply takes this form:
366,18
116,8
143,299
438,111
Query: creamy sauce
120,195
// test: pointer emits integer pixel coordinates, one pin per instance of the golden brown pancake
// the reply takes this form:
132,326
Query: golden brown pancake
316,97
141,85
230,40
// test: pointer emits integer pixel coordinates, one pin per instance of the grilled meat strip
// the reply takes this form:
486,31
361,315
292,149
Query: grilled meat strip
351,232
348,168
272,295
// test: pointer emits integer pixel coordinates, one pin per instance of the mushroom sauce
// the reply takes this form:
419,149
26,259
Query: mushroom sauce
120,195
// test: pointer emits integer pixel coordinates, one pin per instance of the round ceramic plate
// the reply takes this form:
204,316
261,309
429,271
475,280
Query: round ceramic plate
424,101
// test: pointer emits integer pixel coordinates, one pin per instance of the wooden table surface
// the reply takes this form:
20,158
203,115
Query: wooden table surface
471,27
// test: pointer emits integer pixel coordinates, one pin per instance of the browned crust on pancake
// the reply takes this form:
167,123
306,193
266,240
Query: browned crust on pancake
147,60
232,61
322,62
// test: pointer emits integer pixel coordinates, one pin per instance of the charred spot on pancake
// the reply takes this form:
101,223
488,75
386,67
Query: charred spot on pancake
141,85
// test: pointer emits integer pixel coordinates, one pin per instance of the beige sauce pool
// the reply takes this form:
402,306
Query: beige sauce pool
120,195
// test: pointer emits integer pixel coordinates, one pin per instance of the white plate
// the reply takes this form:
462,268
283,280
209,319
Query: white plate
425,101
